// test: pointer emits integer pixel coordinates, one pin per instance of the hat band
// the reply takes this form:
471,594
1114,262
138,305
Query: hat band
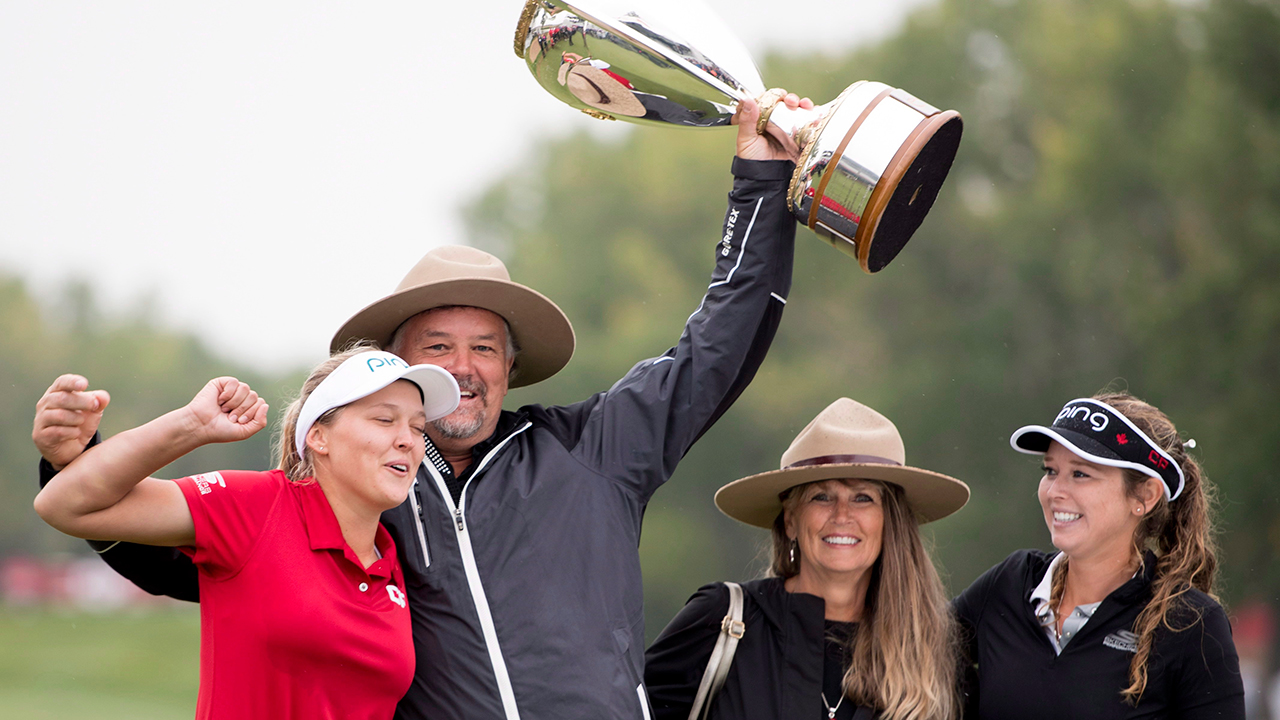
842,460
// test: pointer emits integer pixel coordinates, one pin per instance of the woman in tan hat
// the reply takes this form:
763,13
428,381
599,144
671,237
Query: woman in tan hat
853,620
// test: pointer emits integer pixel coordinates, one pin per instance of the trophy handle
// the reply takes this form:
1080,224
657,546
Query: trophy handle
522,27
787,136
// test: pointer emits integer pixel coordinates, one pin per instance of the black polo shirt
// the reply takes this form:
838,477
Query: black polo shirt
1193,673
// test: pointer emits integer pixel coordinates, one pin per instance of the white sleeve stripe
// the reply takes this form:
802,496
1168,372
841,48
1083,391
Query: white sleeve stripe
644,700
778,297
742,247
742,251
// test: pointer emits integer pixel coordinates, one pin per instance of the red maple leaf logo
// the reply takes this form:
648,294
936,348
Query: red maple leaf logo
1122,438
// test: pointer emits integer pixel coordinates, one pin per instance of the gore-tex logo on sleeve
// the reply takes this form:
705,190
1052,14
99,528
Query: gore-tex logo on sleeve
726,243
205,482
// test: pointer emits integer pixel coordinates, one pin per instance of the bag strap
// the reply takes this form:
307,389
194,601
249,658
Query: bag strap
731,631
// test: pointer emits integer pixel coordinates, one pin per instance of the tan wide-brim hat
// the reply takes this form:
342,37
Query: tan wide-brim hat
599,89
847,440
460,275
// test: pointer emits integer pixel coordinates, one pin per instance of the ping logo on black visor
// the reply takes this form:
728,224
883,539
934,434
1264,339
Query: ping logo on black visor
1099,433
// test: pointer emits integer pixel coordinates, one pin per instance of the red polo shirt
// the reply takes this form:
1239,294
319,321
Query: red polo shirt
291,623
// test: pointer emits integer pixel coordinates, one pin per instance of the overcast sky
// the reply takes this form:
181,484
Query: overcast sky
263,170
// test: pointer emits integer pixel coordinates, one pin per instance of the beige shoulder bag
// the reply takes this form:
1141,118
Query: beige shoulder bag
731,631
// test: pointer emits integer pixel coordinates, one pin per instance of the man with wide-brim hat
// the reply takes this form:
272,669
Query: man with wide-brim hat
519,541
847,562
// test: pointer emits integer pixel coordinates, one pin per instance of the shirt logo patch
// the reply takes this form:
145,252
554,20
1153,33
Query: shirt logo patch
397,595
1122,640
205,482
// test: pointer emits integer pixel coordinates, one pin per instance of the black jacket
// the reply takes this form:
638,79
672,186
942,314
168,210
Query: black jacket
776,672
1192,674
526,598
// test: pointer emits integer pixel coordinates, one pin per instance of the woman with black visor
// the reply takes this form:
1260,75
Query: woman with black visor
1122,622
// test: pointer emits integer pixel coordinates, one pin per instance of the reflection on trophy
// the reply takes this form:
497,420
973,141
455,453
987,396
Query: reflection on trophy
871,161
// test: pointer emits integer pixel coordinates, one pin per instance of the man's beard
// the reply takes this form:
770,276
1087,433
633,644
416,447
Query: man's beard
461,428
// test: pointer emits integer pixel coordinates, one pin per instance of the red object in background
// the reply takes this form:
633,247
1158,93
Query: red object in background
1253,628
28,581
84,582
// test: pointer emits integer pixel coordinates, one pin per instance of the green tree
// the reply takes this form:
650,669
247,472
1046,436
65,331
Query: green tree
148,371
1112,219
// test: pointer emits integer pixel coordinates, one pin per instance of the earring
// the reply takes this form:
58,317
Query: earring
794,546
1140,509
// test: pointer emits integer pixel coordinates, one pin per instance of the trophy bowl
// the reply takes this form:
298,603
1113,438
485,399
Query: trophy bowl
871,162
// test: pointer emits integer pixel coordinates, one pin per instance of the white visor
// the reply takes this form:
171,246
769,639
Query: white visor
365,374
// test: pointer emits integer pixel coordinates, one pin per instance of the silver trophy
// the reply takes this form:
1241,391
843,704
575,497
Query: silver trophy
871,161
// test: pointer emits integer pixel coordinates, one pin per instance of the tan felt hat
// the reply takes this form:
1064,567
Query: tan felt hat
460,275
599,89
847,440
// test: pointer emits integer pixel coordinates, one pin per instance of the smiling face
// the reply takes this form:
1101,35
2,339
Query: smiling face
367,456
1087,509
471,343
839,527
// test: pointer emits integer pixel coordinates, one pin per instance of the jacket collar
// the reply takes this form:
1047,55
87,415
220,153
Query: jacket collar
508,423
1140,584
776,604
1120,600
1038,578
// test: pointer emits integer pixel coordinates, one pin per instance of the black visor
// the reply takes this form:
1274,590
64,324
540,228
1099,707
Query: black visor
1096,432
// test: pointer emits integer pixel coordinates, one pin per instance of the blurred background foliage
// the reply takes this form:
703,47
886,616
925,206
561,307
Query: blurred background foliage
1112,220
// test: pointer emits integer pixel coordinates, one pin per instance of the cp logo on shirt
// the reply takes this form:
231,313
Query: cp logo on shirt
205,482
397,595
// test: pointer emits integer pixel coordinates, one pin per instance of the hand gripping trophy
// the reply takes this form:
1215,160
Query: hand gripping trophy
871,161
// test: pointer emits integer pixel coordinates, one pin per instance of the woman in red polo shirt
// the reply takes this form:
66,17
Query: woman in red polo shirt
302,610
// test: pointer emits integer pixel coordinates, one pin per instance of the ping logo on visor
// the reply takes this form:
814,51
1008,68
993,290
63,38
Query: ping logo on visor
1096,432
1096,420
383,360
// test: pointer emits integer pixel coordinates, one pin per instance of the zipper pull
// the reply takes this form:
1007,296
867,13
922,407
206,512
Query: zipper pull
457,517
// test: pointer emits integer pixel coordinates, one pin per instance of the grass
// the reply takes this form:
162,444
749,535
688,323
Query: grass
59,664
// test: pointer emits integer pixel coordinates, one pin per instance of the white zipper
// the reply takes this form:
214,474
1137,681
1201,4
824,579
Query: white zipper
417,518
487,627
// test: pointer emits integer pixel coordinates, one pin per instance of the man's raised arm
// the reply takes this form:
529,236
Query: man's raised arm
66,424
639,429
